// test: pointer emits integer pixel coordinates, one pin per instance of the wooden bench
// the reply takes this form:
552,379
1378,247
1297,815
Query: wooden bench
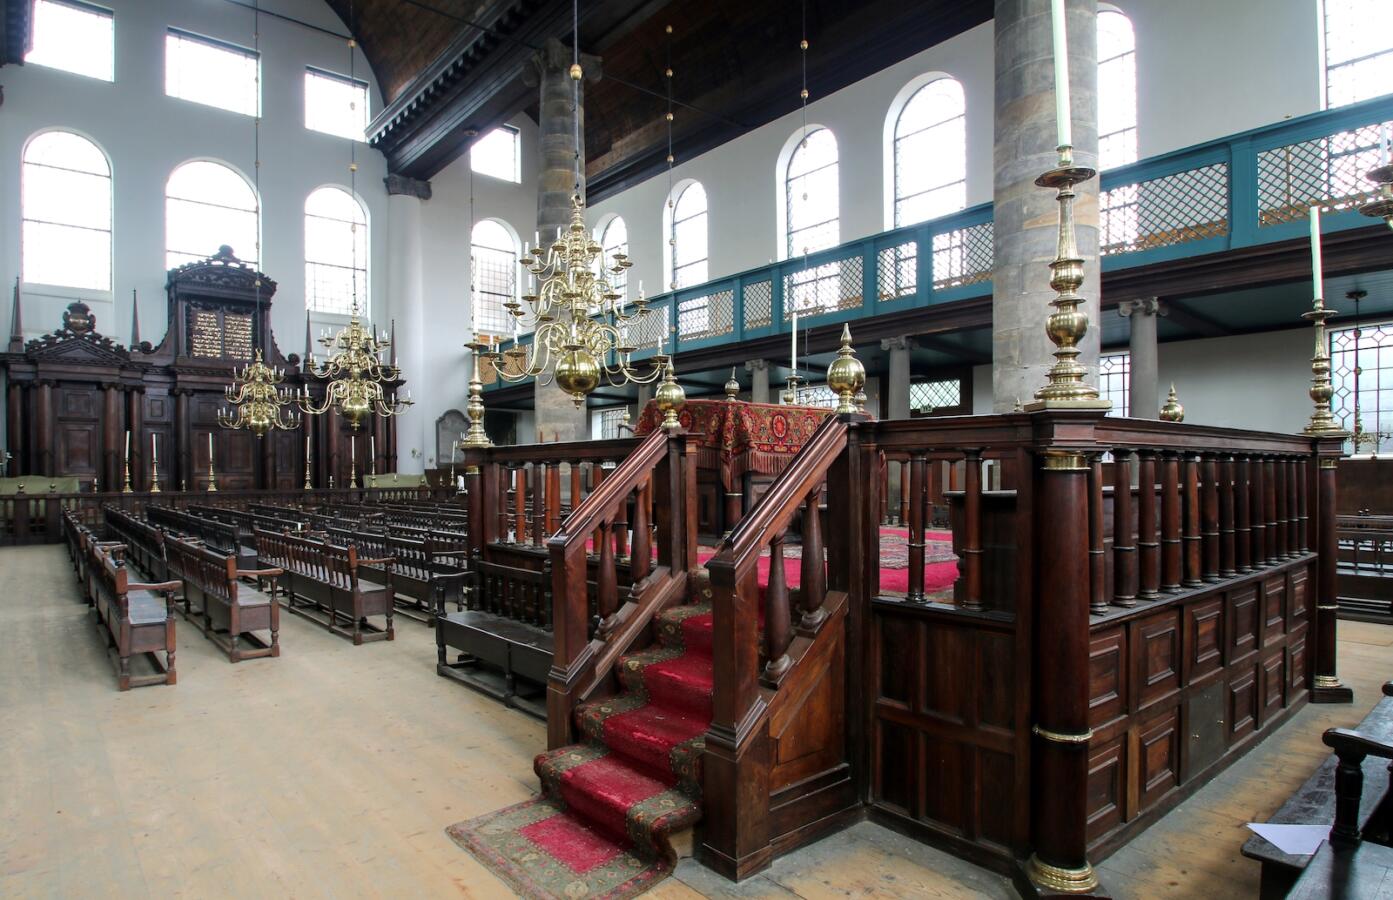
227,611
144,542
1365,571
137,618
427,571
221,536
1317,803
322,583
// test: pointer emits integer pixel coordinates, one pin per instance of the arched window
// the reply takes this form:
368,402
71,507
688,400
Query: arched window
1117,90
336,252
811,199
493,257
688,236
930,150
206,205
65,187
1358,50
615,239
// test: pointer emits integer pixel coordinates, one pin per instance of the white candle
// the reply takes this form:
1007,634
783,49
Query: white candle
1316,275
1061,74
128,445
154,450
1383,144
372,451
793,351
210,448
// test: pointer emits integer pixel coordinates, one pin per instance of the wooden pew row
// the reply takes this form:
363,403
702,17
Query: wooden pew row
220,535
137,618
322,583
427,570
144,542
229,612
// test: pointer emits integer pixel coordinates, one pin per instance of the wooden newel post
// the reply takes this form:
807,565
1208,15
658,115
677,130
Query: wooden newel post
1059,814
1326,686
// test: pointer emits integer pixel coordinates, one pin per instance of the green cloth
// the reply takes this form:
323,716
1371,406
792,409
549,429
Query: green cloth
393,480
40,484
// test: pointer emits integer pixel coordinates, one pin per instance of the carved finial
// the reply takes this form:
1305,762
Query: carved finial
16,328
135,319
1173,411
846,375
732,386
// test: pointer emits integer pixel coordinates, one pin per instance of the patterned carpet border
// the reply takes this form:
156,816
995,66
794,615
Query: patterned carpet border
495,839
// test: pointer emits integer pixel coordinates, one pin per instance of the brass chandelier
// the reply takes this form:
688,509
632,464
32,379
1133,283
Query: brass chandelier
582,324
258,401
256,398
356,376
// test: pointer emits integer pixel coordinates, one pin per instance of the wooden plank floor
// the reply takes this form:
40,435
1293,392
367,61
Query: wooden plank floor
333,771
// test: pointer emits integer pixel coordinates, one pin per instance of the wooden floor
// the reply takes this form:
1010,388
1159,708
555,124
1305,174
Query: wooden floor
334,770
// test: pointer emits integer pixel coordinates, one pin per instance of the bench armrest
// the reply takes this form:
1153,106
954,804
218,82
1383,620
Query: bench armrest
259,573
384,561
467,553
163,587
449,577
1348,741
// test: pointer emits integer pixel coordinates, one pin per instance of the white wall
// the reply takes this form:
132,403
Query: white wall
147,135
1205,70
1257,381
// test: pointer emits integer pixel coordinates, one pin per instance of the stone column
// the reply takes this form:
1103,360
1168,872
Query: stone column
560,175
1143,386
404,199
759,382
1027,217
645,393
897,388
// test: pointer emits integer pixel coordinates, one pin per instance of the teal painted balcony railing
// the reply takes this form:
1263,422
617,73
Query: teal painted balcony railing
1250,188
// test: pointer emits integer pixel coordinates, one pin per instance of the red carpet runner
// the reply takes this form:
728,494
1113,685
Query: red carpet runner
601,827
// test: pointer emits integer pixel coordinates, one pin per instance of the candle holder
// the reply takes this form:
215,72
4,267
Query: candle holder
1381,207
789,395
477,436
154,474
212,476
127,489
1323,421
309,485
1066,387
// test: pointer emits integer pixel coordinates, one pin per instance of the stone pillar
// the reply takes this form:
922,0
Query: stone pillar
897,388
645,393
1027,217
759,381
404,199
1143,387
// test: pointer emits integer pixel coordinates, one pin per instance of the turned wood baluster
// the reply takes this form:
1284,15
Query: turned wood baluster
918,468
606,579
1269,511
621,530
1227,543
885,494
906,474
575,486
1279,512
1304,503
641,559
520,506
1171,556
1148,548
553,519
778,632
1192,522
539,504
813,567
1255,507
1209,517
1097,561
1293,510
1124,548
972,529
1242,515
504,511
597,477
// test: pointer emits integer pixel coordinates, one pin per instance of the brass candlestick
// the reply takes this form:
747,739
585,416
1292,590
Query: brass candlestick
789,395
1322,420
1067,325
846,375
477,436
127,489
154,474
212,475
669,398
1381,207
309,485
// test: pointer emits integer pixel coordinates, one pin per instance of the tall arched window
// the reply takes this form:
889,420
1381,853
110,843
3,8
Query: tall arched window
811,198
688,236
65,187
206,205
1358,50
930,150
1117,90
493,257
615,239
336,252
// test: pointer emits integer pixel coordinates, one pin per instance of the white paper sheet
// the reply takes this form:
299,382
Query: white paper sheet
1297,840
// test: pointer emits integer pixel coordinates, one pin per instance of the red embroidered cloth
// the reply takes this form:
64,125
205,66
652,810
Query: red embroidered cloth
739,437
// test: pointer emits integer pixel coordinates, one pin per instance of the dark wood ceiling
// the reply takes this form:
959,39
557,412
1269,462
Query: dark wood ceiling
736,66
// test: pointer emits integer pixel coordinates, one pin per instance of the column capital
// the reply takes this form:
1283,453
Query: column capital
404,185
555,56
756,365
903,342
1142,306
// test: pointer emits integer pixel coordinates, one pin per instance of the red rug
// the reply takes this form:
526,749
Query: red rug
601,826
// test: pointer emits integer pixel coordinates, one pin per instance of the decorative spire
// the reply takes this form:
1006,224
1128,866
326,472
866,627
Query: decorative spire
16,327
394,341
732,386
846,375
1173,411
309,345
135,319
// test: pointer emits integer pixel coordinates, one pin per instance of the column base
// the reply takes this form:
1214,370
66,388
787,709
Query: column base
1328,689
1034,878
